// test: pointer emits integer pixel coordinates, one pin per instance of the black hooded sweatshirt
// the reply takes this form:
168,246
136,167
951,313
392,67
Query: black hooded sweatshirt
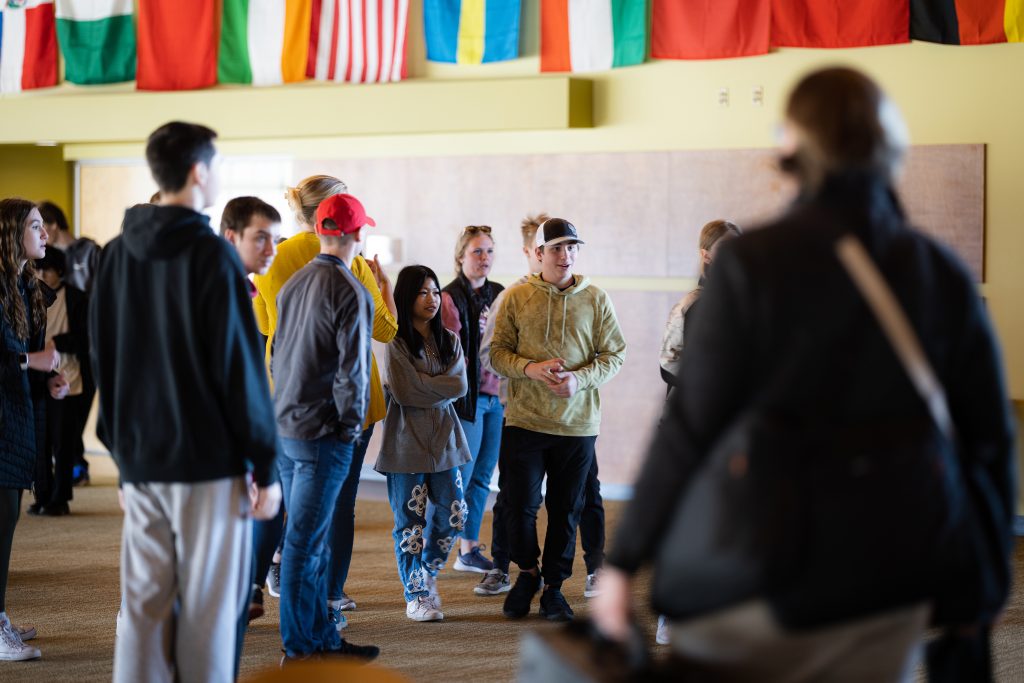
183,390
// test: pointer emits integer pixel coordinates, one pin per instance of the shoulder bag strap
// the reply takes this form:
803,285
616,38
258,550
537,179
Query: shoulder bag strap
893,320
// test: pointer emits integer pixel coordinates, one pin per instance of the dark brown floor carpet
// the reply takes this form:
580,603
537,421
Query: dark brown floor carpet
65,581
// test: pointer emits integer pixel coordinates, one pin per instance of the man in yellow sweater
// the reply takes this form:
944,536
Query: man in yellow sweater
292,255
556,339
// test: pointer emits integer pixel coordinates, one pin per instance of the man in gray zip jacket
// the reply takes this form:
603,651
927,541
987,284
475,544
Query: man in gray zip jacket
320,363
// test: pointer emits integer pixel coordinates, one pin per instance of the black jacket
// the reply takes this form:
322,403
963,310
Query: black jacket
320,359
780,321
175,354
470,303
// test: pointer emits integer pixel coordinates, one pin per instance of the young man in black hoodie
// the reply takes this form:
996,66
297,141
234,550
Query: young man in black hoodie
185,410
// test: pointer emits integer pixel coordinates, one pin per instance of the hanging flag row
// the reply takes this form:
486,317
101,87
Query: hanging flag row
175,45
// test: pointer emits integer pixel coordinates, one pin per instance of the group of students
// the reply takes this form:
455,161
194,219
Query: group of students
205,443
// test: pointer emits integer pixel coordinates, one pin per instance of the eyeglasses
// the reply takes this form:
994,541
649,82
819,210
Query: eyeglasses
477,229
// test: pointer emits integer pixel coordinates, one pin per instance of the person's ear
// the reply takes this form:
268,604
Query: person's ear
705,257
231,236
539,253
357,236
200,174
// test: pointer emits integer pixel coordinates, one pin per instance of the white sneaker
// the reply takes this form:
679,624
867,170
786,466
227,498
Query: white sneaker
591,589
347,603
663,636
423,609
12,649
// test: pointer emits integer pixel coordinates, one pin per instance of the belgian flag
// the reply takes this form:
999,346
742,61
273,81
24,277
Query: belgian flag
967,22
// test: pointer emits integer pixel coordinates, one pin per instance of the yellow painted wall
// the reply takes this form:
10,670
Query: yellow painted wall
948,94
37,173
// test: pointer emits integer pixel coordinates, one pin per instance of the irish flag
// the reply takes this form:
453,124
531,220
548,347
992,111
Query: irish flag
967,22
358,41
592,35
471,31
177,44
97,39
28,45
263,42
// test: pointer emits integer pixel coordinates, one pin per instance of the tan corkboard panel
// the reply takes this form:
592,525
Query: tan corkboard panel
640,212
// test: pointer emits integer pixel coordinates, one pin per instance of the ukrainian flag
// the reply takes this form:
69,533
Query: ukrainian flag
471,31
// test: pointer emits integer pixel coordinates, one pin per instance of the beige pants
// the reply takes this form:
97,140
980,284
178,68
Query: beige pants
745,643
184,575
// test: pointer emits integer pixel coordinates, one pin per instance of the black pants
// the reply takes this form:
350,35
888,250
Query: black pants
591,524
55,463
526,457
10,506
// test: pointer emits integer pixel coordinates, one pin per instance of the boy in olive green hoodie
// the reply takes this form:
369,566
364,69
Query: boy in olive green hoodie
557,340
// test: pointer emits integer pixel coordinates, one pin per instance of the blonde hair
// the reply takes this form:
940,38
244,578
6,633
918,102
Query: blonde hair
307,195
714,231
468,233
529,228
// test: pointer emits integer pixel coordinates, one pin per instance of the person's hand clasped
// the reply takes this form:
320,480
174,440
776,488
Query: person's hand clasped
58,387
46,360
565,385
611,608
266,500
545,371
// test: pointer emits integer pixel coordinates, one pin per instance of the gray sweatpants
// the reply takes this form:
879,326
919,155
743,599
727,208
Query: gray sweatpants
745,643
184,576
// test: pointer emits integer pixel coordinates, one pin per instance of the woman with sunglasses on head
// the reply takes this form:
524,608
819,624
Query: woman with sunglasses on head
465,306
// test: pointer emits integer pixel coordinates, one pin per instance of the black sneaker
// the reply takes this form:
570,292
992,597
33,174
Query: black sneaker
55,510
554,607
517,602
349,650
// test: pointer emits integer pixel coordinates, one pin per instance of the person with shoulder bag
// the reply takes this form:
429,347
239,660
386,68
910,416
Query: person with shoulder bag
836,469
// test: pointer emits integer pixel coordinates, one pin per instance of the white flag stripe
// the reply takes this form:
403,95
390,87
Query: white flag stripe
344,41
400,28
93,10
591,35
12,50
357,41
372,42
387,52
266,40
325,40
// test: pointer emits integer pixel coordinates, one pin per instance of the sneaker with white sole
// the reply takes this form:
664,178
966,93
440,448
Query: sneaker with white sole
495,582
274,580
664,634
432,591
12,649
335,616
26,633
591,589
347,603
473,561
423,609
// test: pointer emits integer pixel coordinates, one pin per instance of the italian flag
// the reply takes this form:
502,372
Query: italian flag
592,35
97,39
28,45
264,42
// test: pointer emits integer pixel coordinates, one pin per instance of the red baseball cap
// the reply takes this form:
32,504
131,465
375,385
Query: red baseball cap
346,211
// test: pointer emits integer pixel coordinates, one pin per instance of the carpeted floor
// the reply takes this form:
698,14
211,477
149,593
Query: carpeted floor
64,580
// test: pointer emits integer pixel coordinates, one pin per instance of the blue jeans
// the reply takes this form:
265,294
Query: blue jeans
421,546
312,473
484,439
343,526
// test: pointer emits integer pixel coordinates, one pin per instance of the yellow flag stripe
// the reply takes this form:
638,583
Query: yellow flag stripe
1013,21
471,32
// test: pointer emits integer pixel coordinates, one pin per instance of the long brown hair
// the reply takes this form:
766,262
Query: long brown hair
714,231
13,215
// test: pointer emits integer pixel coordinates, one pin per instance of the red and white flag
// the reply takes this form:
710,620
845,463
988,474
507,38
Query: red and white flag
28,45
358,41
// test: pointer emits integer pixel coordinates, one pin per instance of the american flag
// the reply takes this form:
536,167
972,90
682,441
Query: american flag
358,41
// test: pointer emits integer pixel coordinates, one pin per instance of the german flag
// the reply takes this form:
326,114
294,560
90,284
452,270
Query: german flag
967,22
812,23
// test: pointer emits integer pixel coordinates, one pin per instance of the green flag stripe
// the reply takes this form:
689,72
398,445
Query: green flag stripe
100,51
233,57
629,27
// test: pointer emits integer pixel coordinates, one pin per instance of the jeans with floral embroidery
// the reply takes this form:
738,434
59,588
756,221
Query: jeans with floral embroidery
416,557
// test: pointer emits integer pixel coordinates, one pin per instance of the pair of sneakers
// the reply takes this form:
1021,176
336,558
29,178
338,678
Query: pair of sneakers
426,607
13,647
496,582
553,605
